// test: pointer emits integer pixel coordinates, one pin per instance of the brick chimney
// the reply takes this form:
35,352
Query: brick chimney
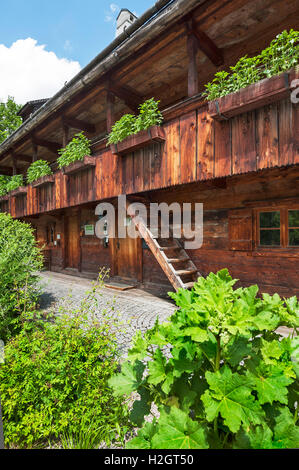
124,20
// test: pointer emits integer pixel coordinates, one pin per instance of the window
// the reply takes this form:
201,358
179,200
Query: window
293,228
278,228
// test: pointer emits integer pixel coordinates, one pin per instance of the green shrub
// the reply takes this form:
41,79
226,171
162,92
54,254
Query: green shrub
280,56
37,170
14,183
219,373
129,124
122,129
75,150
20,259
3,184
54,383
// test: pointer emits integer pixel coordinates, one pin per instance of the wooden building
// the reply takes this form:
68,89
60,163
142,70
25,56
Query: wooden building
244,168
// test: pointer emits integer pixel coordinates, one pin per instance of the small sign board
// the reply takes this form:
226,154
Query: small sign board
89,229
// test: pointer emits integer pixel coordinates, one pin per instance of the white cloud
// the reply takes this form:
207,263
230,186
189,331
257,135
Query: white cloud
113,12
29,72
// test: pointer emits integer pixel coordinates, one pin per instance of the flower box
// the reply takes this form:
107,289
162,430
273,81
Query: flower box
262,93
87,162
19,192
43,181
137,141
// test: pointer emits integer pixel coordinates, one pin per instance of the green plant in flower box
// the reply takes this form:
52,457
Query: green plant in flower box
15,182
75,150
37,170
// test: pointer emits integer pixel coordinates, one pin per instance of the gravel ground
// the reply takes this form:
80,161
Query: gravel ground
135,310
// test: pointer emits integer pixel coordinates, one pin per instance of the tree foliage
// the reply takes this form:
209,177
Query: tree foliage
9,120
218,371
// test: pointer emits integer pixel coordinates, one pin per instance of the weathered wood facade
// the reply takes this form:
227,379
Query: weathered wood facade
238,167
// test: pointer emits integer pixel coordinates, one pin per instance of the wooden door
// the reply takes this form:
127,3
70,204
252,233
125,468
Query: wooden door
72,242
128,258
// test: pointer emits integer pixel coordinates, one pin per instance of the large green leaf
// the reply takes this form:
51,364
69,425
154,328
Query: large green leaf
177,431
286,432
230,396
129,379
271,383
143,440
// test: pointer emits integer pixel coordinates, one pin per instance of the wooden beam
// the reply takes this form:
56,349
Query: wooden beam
110,111
23,158
205,44
192,49
126,94
79,125
6,170
51,146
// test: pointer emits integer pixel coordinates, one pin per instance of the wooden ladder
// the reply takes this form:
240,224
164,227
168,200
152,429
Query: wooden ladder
171,256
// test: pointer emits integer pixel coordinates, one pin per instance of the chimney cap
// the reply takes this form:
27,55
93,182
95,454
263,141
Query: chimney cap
125,9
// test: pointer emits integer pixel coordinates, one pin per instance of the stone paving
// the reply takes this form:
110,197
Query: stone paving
135,309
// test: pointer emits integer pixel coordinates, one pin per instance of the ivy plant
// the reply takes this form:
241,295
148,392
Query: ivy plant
15,182
75,150
219,372
281,55
37,170
129,124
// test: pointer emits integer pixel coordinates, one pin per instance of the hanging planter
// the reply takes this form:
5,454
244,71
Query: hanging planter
262,93
43,181
22,190
139,140
75,167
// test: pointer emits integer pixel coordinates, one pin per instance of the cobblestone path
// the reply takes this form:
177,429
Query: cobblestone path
137,310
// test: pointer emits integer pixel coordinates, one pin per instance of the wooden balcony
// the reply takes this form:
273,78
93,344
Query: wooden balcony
196,148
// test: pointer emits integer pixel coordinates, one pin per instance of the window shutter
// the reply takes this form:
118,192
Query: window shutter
240,223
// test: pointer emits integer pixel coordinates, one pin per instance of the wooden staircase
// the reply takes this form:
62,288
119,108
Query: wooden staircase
171,256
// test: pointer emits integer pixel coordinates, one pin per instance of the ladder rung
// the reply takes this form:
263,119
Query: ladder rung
173,247
181,272
189,285
177,260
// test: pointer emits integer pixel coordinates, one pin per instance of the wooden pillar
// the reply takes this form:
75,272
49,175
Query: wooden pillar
192,48
110,111
14,165
65,135
35,151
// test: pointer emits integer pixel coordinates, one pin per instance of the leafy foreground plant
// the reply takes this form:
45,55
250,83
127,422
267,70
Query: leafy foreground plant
75,151
37,170
218,372
53,384
20,259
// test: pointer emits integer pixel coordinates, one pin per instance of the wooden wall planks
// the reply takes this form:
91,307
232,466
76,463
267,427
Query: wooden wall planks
197,148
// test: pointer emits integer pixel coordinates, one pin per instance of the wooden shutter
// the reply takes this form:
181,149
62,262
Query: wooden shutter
240,223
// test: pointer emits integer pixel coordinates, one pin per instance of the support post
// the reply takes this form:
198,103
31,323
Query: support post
192,48
110,111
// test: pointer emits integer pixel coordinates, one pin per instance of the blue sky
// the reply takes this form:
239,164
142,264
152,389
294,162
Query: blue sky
45,43
75,29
